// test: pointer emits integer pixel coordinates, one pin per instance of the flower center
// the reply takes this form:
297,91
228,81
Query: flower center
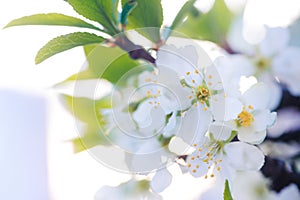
206,155
245,119
202,94
263,63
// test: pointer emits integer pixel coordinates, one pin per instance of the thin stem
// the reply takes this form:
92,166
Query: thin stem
232,136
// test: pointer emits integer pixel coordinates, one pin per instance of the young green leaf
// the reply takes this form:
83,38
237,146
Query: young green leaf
104,62
51,19
101,11
127,8
227,193
211,26
181,15
66,42
109,63
186,8
146,14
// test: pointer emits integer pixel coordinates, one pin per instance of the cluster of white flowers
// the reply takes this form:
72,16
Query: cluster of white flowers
218,125
222,111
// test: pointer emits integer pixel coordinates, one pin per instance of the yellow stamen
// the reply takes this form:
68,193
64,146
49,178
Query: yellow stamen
202,94
245,118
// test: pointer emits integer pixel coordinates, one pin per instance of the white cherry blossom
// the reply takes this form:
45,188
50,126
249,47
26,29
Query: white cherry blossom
252,122
204,84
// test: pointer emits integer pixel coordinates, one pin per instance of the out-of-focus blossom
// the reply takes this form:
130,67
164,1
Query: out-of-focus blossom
287,121
131,190
253,185
271,61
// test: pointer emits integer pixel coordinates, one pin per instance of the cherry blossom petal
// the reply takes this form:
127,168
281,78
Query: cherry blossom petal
150,156
213,78
250,185
161,180
149,118
286,67
249,135
195,165
176,96
242,156
178,146
172,127
258,96
220,131
225,108
276,39
182,60
236,38
194,125
235,66
107,192
287,120
262,119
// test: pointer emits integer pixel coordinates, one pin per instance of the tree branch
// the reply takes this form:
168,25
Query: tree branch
134,51
280,174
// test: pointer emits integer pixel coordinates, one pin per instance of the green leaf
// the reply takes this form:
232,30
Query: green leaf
227,193
110,63
146,14
83,109
184,11
105,62
101,11
126,10
212,26
66,42
88,111
51,19
91,138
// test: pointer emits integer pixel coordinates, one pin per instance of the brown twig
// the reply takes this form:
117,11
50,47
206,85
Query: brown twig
280,174
134,51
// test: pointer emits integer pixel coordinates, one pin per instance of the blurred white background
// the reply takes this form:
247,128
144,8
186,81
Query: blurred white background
36,160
